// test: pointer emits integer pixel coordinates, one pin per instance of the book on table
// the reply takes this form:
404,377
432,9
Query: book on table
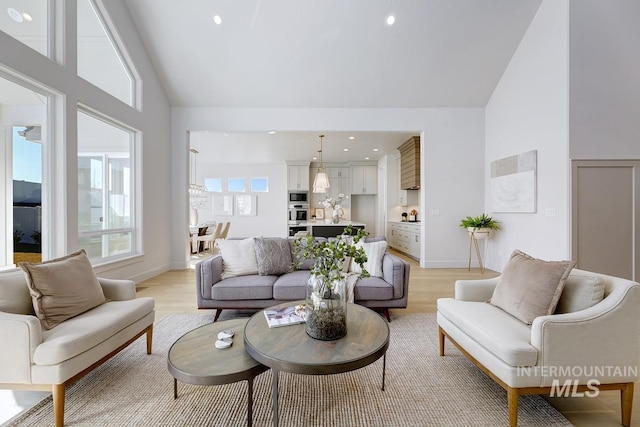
283,317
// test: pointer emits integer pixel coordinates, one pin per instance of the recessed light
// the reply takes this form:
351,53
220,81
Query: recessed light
366,158
390,20
15,15
271,132
352,137
375,149
345,149
217,19
314,158
27,17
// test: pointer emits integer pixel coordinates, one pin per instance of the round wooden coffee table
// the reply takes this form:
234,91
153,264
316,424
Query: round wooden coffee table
290,349
193,359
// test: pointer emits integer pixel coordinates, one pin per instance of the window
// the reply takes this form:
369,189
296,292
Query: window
105,188
100,57
260,185
213,185
236,185
23,124
27,22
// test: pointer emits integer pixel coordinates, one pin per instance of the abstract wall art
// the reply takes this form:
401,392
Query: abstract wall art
513,183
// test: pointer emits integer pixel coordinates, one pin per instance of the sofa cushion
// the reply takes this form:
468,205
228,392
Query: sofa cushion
244,288
273,255
374,251
89,329
291,286
62,288
580,292
238,257
498,332
14,294
372,289
530,287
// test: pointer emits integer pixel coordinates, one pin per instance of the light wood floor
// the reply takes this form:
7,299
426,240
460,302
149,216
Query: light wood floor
174,293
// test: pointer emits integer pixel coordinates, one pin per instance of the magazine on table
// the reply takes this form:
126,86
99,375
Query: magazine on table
284,316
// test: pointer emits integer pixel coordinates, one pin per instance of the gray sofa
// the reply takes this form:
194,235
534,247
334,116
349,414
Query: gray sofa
257,292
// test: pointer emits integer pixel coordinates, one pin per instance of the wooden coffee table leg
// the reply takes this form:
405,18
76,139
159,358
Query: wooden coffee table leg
175,388
275,397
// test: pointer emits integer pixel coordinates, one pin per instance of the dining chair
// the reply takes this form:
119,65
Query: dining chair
209,239
225,231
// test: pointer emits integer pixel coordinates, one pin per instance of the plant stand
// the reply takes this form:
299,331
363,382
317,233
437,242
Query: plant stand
474,236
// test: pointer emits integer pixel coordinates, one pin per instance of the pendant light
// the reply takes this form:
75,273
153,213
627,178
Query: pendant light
321,181
194,189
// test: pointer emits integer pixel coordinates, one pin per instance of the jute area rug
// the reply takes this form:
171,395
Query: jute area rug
422,389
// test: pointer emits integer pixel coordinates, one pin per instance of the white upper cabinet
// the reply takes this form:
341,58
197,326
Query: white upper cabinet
298,177
364,179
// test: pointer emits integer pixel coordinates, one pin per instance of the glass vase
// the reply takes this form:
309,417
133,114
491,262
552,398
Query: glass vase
326,306
336,216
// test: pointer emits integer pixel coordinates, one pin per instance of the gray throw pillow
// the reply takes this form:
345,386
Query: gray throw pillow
63,288
530,287
273,255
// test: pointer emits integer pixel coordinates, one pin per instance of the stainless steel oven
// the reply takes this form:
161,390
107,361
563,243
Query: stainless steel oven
298,213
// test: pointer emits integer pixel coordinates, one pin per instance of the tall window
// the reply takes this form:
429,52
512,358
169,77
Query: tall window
23,132
105,188
100,57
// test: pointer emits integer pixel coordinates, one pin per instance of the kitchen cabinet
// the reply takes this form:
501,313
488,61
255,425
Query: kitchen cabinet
364,179
339,183
405,237
298,176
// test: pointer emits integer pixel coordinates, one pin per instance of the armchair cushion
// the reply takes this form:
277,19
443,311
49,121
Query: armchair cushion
63,288
530,287
14,294
580,292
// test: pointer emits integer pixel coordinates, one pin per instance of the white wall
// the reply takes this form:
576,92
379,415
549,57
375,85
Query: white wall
529,111
271,218
154,153
452,158
605,88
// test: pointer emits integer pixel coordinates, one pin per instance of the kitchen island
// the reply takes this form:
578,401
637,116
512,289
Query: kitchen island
322,229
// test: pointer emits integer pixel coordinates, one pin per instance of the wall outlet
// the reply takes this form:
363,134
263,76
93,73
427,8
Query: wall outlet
550,212
435,212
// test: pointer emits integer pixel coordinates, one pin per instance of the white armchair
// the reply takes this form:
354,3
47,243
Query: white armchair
593,349
34,358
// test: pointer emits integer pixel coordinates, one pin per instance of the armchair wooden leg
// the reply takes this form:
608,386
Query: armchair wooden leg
58,391
218,311
626,403
441,341
512,403
149,338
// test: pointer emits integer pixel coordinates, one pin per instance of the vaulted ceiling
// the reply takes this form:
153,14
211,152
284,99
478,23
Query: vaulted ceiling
331,53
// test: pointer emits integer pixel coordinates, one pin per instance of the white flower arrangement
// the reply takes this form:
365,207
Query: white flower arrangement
334,204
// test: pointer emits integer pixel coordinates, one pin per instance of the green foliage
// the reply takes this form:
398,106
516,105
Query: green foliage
37,237
329,256
17,236
482,221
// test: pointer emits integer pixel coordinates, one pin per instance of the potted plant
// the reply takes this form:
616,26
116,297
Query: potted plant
326,299
479,226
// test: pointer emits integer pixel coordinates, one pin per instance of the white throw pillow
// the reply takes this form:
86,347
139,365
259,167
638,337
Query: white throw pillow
374,251
238,257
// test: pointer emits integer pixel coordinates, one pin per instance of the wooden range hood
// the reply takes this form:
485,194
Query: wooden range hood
410,164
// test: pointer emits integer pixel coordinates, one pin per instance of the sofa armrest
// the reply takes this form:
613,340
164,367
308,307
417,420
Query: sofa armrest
606,334
20,334
395,271
118,290
208,273
475,290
